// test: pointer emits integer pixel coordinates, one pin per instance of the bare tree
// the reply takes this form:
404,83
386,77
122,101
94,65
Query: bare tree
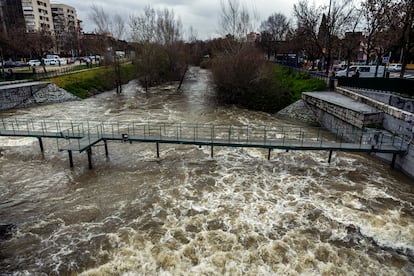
322,24
100,18
115,25
143,27
308,18
160,36
376,19
192,35
169,29
274,31
235,20
404,19
118,26
107,23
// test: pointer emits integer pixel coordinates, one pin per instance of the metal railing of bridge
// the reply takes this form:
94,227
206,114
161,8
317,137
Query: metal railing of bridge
81,134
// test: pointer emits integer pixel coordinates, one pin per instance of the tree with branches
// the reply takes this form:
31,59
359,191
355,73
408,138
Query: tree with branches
404,21
159,34
324,24
105,25
273,31
235,20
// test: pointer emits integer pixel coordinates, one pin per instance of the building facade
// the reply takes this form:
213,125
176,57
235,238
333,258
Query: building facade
64,18
38,15
11,16
66,28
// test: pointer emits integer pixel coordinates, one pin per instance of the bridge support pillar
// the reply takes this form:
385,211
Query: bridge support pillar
212,151
330,157
70,158
158,150
268,155
394,158
89,152
106,148
41,144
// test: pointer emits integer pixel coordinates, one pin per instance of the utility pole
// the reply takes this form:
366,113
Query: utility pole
326,43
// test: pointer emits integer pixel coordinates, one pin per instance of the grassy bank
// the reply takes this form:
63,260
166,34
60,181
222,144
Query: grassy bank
86,83
296,82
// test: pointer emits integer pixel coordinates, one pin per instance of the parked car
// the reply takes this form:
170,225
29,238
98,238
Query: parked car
49,61
71,60
365,71
395,67
62,61
85,59
8,64
34,62
95,58
20,64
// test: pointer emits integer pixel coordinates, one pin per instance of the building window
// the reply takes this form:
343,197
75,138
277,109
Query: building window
27,8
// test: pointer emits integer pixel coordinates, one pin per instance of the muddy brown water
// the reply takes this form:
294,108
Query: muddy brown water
189,214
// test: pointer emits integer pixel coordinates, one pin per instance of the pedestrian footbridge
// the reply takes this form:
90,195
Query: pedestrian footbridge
81,136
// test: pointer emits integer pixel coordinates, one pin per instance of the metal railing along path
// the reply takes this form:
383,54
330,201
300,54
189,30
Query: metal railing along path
82,135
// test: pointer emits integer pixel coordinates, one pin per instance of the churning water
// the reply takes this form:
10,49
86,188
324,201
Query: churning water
189,214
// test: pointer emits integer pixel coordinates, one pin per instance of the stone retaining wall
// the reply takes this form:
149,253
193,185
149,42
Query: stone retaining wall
394,120
29,94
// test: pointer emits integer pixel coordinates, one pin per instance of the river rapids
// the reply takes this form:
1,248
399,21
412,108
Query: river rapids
186,213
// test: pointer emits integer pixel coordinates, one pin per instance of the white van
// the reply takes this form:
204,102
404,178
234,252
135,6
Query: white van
365,71
54,61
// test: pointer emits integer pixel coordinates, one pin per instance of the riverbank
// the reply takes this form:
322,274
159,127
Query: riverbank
21,95
91,82
299,111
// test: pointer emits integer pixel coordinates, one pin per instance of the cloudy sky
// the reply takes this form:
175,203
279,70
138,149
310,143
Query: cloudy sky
202,15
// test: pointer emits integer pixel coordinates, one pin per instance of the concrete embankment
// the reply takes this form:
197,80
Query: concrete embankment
26,94
347,109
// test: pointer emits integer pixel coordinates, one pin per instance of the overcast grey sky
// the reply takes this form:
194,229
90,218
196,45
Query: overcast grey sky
202,15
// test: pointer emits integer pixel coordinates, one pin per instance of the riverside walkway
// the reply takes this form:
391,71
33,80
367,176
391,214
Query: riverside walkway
82,136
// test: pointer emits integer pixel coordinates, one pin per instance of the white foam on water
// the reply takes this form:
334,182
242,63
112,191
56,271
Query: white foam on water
246,225
16,142
189,214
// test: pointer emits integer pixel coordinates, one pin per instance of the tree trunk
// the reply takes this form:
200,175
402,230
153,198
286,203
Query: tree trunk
182,78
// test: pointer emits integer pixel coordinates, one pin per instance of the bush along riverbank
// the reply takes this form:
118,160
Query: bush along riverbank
279,88
87,83
242,77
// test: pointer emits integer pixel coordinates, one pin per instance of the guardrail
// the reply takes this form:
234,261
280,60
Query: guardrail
84,133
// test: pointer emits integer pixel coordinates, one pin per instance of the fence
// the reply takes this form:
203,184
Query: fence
39,74
399,85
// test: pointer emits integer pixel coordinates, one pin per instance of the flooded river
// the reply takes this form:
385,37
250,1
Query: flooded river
189,214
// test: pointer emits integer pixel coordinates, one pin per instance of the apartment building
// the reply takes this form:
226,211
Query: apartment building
64,18
38,15
66,28
11,16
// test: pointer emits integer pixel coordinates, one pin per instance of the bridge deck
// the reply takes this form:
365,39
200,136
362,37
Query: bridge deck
81,136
